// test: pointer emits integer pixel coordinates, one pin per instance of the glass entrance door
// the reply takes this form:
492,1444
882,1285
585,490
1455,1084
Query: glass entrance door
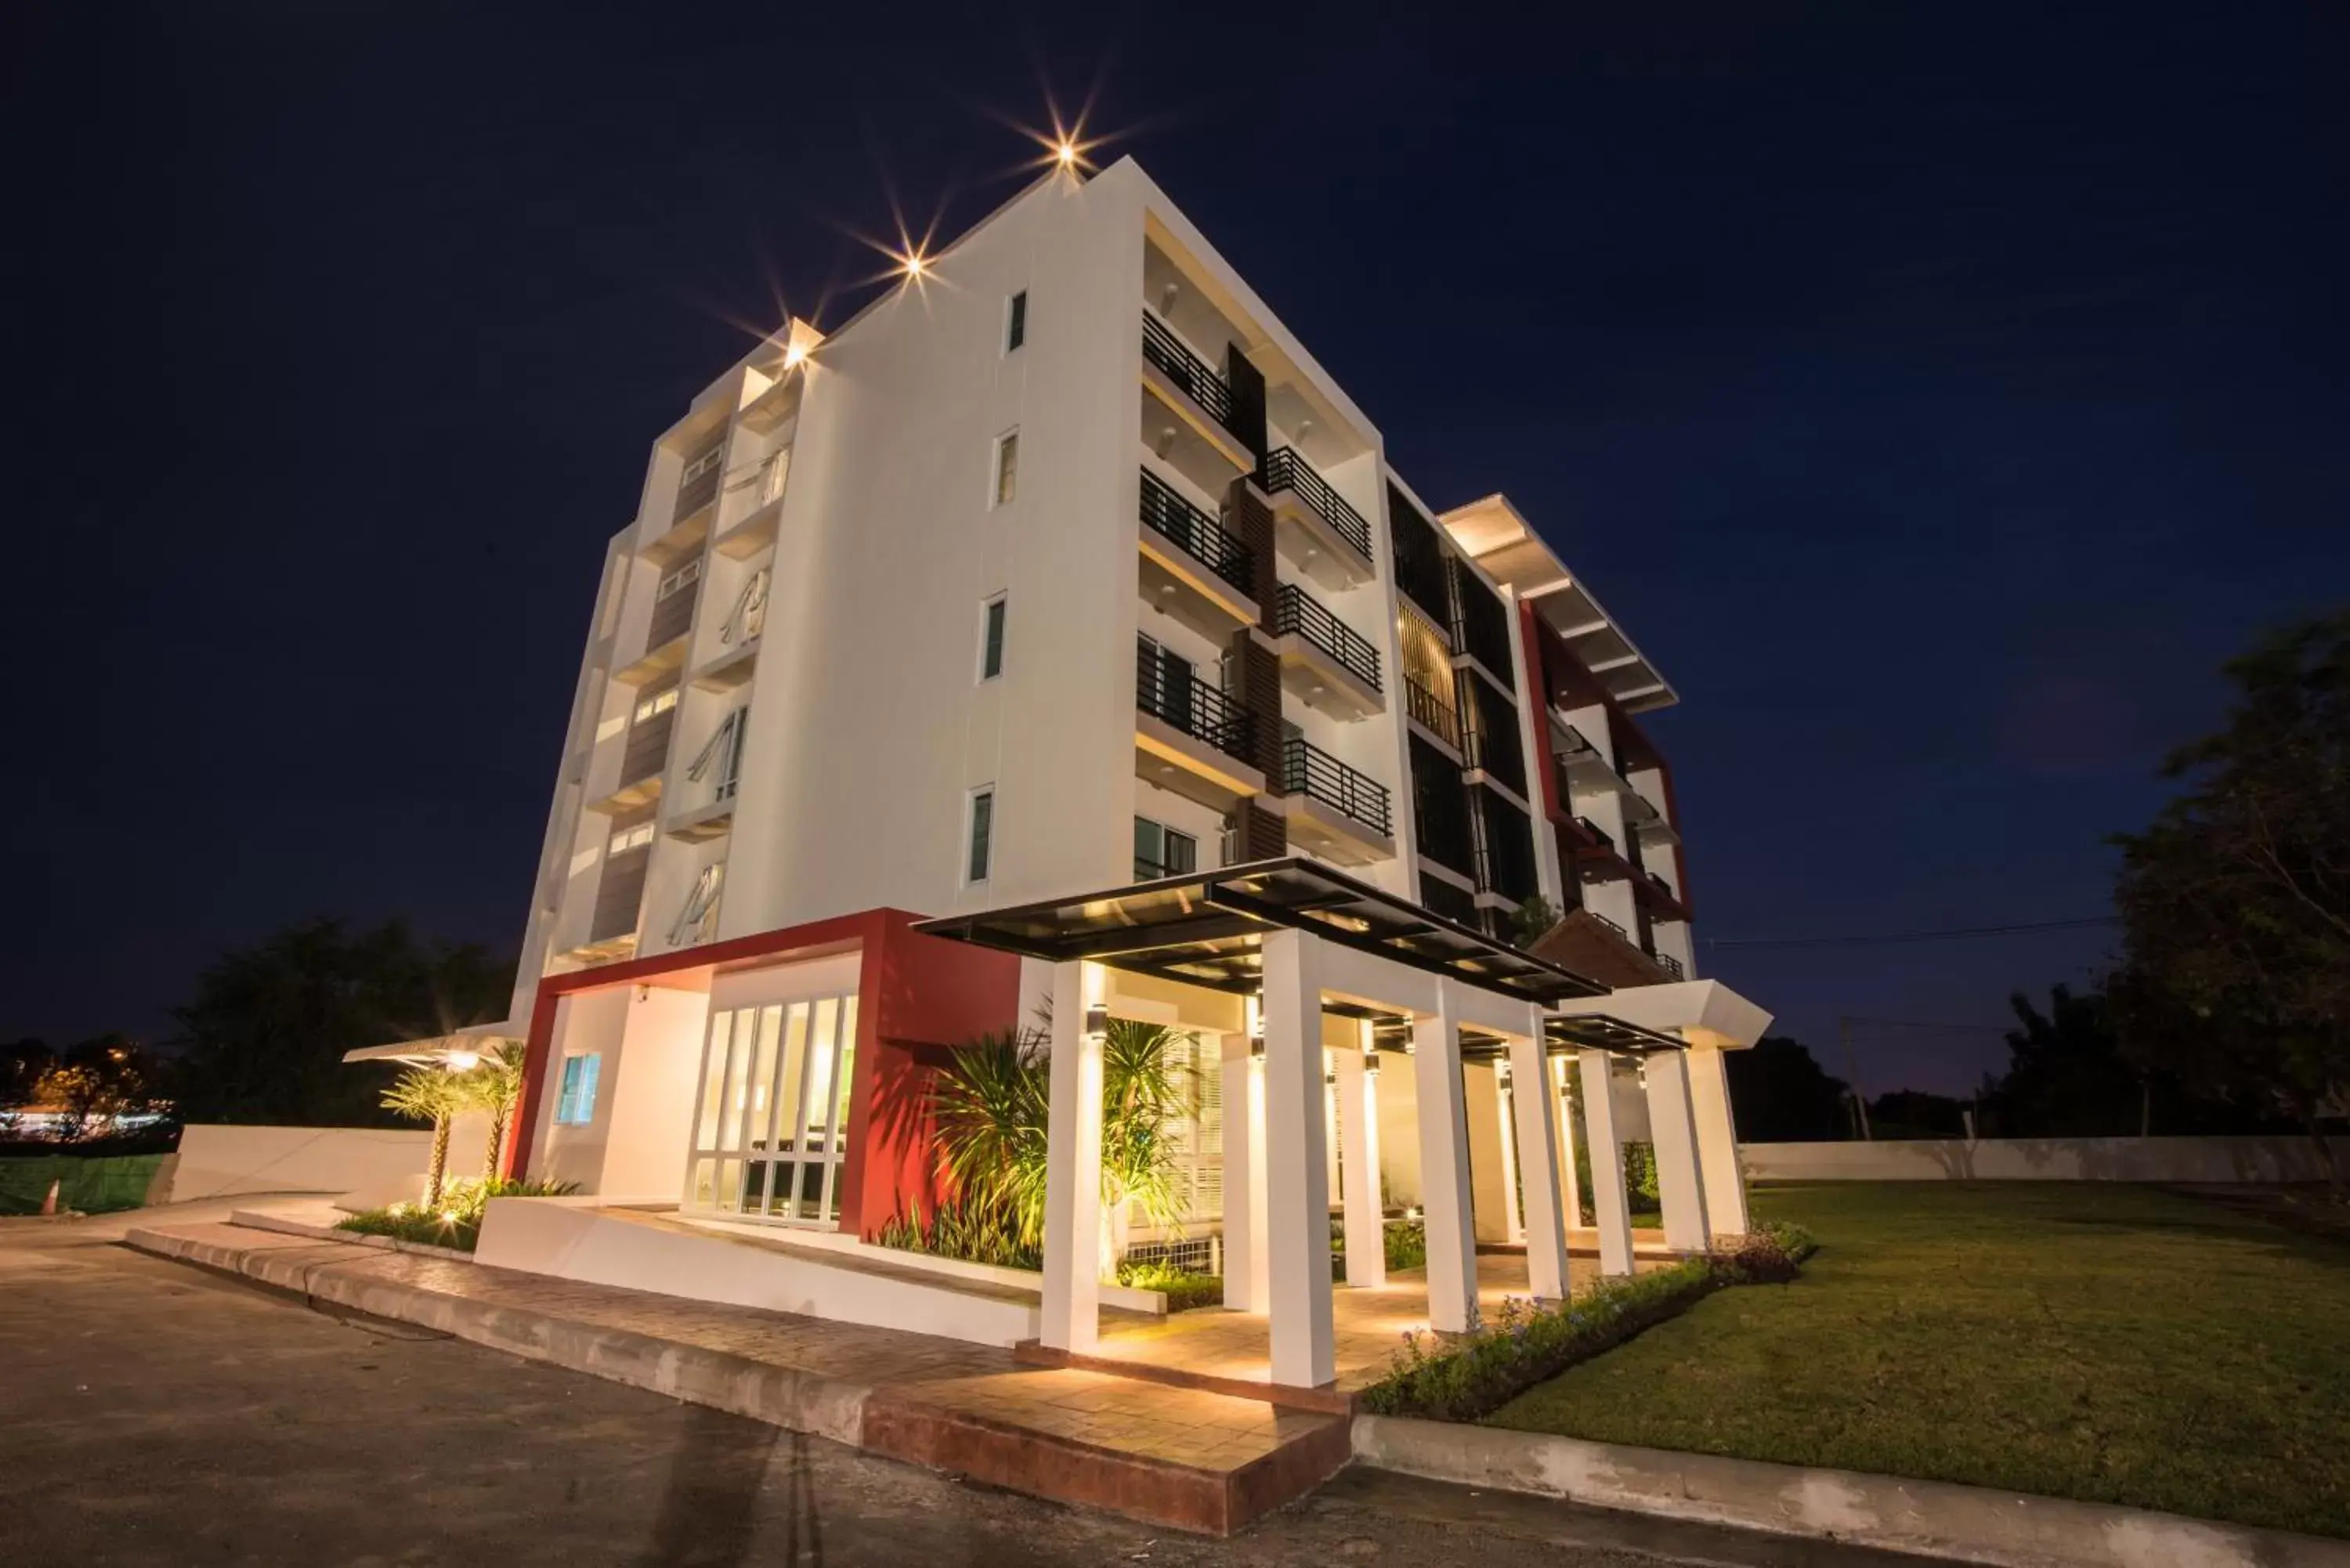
773,1114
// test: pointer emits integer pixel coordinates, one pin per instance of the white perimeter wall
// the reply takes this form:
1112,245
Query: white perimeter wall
2043,1159
379,1163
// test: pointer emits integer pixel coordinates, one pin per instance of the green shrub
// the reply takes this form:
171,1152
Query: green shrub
975,1233
1183,1289
1467,1377
457,1224
1407,1244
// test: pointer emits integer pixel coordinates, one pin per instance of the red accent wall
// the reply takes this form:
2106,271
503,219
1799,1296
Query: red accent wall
917,997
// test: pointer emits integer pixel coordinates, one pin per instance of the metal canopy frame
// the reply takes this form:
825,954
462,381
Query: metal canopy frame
1207,928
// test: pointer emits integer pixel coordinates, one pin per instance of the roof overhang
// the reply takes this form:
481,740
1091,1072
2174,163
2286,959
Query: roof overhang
452,1049
1498,537
1208,930
1688,1012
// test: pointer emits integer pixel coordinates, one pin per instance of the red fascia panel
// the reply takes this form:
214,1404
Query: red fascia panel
918,996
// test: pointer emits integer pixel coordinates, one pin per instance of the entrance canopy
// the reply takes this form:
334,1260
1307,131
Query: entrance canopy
1208,929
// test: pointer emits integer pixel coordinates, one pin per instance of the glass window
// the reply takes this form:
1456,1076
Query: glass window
991,639
982,827
1161,851
1007,466
775,1102
1015,322
575,1106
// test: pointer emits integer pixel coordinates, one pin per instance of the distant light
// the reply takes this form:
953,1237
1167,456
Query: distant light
916,265
463,1060
1066,153
793,355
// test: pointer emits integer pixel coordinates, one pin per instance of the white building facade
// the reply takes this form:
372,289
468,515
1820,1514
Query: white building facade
1063,567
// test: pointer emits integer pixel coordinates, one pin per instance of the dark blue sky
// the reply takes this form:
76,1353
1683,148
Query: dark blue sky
1937,393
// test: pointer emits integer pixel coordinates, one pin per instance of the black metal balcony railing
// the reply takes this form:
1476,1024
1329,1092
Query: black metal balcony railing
1168,514
1616,925
1307,770
1173,694
1431,712
1298,611
1481,752
1669,964
1606,839
1192,376
1283,469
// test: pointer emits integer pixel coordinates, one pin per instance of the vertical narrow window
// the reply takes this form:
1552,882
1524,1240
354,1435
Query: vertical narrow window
1016,321
1007,467
991,638
982,832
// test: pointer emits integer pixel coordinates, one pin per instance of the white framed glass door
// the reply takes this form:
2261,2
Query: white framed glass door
771,1116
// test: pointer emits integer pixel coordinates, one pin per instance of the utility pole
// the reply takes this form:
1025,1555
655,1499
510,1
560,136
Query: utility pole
1852,1067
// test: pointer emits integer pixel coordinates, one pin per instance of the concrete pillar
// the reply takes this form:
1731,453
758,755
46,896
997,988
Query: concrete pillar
1358,1135
1717,1143
1570,1189
1297,1190
1073,1151
1492,1162
1535,1107
1444,1167
1610,1207
1681,1191
1247,1285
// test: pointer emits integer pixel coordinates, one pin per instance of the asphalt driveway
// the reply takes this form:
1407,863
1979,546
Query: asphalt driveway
153,1414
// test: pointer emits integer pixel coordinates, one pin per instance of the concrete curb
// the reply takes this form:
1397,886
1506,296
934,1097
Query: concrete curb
779,1396
1937,1519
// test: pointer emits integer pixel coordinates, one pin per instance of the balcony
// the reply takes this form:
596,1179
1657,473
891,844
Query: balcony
755,493
1190,566
1316,526
1431,712
1670,965
1199,398
1325,663
1189,736
1333,810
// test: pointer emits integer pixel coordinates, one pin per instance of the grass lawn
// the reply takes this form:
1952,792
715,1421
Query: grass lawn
2082,1339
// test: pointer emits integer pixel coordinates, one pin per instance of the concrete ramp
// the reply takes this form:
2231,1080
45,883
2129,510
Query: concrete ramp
643,1251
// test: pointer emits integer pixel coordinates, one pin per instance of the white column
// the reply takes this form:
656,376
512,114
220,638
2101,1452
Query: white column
1681,1192
1717,1143
1444,1167
1610,1207
1493,1164
1358,1138
1073,1135
1534,1106
1297,1188
1247,1288
1570,1191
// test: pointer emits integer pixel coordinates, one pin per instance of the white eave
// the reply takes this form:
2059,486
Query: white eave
1497,537
472,1040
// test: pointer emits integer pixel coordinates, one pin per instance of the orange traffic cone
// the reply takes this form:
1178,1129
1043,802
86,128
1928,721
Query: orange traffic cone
50,1204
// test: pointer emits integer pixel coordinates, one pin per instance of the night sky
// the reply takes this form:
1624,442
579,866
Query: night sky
1938,394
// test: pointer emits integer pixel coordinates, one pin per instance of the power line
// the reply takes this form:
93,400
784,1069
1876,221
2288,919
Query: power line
1883,939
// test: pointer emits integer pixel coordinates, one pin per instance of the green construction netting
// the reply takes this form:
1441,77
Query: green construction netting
92,1185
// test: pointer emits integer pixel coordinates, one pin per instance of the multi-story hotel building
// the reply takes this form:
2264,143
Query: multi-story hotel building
1063,563
1055,628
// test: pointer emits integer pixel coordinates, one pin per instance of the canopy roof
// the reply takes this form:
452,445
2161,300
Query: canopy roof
1207,928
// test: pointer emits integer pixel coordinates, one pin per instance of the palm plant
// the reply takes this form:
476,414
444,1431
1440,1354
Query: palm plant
491,1087
990,1107
430,1094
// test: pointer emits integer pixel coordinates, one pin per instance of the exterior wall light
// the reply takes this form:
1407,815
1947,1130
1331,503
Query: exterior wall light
1065,154
1371,1060
1097,1020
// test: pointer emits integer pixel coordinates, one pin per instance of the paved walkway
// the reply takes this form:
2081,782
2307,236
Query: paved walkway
1187,1458
1368,1326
